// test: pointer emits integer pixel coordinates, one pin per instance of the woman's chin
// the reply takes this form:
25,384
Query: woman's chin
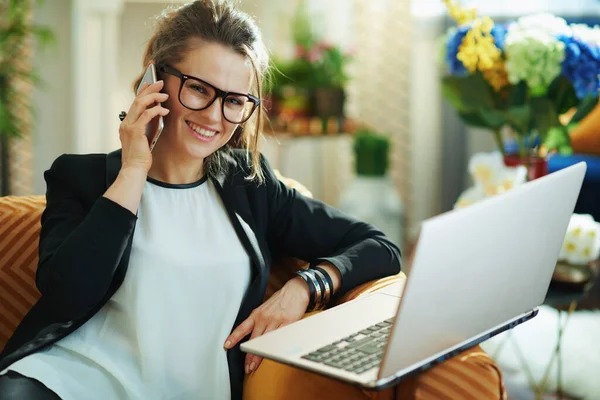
200,150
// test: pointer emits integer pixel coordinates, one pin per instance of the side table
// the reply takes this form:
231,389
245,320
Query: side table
563,298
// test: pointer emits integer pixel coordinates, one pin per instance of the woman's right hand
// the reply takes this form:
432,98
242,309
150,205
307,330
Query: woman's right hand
132,131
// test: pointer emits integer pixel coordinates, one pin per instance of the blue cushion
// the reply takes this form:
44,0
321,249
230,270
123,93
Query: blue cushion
557,162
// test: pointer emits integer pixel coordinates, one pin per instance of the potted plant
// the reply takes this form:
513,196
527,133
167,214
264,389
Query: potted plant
317,71
371,195
16,33
494,82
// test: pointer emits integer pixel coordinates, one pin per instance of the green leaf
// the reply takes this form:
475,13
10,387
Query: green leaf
517,95
494,119
519,117
565,150
468,92
562,94
544,115
43,34
473,119
586,105
7,122
558,138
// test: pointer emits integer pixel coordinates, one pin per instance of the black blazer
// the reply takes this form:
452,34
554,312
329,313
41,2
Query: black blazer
85,243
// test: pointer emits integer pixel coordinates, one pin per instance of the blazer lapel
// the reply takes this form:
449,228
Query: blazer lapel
237,206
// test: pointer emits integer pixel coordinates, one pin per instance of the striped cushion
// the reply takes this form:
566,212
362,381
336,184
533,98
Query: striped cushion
19,236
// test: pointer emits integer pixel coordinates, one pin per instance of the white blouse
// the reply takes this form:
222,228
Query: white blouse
161,335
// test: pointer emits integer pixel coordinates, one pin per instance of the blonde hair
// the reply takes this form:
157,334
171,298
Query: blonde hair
218,22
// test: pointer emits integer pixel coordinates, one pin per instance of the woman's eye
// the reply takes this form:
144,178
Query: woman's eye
234,101
198,88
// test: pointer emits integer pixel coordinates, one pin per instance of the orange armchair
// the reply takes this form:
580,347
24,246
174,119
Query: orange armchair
471,375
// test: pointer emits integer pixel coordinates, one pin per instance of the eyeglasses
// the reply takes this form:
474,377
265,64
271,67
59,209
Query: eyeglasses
195,94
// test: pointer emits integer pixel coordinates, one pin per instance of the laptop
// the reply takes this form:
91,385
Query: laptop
476,272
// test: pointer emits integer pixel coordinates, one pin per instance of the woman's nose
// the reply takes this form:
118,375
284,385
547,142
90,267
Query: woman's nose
213,113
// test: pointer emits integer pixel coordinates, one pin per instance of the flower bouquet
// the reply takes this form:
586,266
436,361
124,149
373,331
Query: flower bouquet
521,76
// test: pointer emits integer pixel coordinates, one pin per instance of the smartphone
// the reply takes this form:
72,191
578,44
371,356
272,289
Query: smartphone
155,127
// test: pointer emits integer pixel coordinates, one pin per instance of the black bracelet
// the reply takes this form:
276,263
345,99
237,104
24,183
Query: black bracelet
311,289
327,276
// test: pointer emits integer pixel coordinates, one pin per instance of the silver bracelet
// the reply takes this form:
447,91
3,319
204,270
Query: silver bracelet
318,292
327,293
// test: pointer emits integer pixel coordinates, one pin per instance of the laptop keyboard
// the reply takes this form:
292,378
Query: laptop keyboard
358,352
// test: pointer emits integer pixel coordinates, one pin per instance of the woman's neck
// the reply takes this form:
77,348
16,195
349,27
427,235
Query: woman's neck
174,170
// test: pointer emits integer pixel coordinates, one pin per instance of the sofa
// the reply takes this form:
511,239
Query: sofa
470,375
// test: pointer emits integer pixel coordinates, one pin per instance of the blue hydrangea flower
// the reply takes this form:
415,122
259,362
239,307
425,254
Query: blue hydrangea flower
581,65
453,41
499,34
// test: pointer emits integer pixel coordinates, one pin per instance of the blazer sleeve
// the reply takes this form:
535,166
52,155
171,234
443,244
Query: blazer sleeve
79,248
313,231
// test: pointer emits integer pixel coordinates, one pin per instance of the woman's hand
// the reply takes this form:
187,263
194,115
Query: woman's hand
287,305
132,132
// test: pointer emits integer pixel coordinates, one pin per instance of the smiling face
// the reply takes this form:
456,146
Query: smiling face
194,135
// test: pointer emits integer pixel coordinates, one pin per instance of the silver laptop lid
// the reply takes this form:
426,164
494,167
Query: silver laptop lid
478,267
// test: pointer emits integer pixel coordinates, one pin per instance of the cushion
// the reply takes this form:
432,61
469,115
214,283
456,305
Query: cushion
19,237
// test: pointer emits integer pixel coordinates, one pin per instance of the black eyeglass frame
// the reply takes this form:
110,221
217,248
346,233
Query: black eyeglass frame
218,93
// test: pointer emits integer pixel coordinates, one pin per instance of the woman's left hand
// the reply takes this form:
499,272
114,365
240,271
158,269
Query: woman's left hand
285,306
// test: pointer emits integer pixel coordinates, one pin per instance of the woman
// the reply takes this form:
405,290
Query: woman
153,266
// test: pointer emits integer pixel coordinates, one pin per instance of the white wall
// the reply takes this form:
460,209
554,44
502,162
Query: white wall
52,131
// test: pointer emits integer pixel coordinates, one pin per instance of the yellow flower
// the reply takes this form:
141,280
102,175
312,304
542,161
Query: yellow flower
577,231
478,50
497,76
587,252
570,247
483,173
508,184
460,15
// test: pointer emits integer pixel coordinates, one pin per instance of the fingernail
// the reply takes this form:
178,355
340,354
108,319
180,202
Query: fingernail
227,344
252,366
247,368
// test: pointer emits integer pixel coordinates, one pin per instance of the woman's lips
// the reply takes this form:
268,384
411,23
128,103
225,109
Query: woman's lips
201,133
